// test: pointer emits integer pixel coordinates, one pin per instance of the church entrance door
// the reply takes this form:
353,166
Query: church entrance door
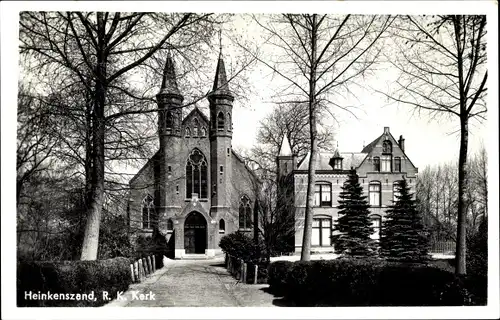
195,233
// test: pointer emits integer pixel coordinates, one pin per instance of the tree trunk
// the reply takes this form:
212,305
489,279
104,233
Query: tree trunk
460,265
311,179
91,237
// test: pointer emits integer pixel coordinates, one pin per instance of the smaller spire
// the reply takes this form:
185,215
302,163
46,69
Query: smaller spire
169,83
220,83
285,149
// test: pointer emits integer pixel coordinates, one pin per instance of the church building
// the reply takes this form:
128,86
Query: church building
379,166
195,189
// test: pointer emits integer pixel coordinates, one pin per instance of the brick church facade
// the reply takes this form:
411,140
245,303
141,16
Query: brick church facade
195,188
379,165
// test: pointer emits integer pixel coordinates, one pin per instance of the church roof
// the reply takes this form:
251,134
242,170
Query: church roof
220,83
285,149
198,111
350,159
169,83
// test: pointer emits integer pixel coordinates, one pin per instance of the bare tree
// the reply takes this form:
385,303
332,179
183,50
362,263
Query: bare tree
99,50
36,138
318,57
442,64
292,121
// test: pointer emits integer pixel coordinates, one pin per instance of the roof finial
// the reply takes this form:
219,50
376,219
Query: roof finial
220,42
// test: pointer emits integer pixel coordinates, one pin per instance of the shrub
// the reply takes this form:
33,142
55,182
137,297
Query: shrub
72,277
277,274
262,273
243,247
367,282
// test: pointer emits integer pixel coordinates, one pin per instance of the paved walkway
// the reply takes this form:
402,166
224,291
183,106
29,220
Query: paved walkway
194,283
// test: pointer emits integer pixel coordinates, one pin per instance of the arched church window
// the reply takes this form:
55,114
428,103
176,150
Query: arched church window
169,122
220,121
148,212
386,147
203,132
222,226
245,214
229,124
188,132
196,127
196,175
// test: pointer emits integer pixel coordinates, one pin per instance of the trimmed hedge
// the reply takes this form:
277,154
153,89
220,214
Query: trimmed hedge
71,277
367,282
277,276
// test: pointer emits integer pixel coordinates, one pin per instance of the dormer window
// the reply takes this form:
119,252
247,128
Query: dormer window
337,164
387,146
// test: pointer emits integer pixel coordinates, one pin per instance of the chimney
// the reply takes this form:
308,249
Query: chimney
401,143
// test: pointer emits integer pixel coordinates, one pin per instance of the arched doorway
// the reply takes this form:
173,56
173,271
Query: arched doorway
195,233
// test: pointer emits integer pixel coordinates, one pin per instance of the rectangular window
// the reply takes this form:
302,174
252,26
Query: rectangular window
221,169
169,169
376,164
395,191
337,164
317,194
321,232
374,194
376,224
386,163
397,164
323,195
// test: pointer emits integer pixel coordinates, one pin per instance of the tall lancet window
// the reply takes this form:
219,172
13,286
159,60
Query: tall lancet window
196,128
169,121
245,214
229,124
196,175
148,212
220,121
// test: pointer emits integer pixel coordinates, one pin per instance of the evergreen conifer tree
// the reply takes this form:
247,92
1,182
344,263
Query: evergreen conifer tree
353,226
404,237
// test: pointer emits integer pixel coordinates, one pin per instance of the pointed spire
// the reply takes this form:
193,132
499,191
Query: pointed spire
285,149
169,83
220,83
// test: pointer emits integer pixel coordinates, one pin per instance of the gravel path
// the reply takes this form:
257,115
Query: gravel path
193,283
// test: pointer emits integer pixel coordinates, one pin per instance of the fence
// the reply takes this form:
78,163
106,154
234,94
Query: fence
141,268
443,247
245,272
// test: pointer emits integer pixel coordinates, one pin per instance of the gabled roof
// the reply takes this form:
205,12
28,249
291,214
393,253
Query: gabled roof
195,111
351,159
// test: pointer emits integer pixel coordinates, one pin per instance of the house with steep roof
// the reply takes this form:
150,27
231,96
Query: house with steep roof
380,166
195,188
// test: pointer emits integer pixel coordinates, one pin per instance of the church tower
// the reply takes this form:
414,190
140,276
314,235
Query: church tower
169,101
221,111
286,161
